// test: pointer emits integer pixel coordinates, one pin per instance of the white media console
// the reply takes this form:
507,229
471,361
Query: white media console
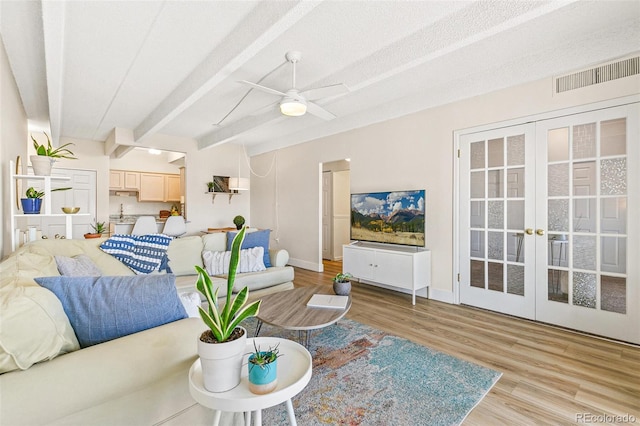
403,267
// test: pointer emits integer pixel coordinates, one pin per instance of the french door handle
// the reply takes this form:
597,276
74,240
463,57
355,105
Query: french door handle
529,231
540,232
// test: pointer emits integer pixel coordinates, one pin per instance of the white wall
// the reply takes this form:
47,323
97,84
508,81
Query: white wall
411,152
13,142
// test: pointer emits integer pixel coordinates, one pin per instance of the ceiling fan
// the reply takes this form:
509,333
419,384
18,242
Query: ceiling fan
295,103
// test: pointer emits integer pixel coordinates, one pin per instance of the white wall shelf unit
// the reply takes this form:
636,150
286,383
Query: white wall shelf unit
46,204
402,267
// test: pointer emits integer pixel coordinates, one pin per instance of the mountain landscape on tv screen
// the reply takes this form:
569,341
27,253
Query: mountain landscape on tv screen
389,217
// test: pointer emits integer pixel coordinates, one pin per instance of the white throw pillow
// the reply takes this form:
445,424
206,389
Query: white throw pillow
217,262
190,301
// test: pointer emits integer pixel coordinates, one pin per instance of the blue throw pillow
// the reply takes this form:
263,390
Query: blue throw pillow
254,239
105,308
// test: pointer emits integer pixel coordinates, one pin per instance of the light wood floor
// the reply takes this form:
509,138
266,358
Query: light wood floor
550,375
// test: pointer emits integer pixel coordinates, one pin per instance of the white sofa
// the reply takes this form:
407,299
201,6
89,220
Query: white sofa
136,379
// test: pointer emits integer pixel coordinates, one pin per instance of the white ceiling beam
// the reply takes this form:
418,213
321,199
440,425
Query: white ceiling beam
266,22
53,18
21,33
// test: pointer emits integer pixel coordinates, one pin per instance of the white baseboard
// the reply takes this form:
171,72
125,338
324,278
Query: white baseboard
304,264
441,295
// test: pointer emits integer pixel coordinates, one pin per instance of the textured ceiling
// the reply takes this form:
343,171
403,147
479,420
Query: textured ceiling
172,67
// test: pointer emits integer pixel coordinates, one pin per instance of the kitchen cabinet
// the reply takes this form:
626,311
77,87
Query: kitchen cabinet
173,188
124,180
159,187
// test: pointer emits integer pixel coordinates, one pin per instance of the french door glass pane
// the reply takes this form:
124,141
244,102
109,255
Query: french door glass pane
515,279
584,289
613,137
558,144
584,141
496,214
558,177
477,273
477,155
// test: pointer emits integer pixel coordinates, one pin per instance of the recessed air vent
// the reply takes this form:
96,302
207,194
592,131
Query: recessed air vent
612,71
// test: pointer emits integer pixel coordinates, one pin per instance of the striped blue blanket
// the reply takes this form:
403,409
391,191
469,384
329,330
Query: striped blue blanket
142,253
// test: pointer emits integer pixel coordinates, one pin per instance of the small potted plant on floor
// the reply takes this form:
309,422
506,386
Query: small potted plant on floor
98,229
342,284
263,369
222,346
46,156
238,221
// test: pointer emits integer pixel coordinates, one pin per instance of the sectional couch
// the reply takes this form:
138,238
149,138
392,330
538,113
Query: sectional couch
139,378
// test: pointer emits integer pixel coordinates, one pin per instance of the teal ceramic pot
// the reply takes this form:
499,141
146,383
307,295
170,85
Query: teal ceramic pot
31,205
262,379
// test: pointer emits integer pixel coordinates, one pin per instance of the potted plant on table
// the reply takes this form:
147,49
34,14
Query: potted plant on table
98,229
46,155
238,221
222,346
342,284
263,369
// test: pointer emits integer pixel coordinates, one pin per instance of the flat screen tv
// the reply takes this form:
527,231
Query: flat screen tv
396,217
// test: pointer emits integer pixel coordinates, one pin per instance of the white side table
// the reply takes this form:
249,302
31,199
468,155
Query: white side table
294,373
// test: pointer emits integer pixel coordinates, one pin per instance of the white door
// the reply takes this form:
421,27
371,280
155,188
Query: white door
560,247
588,192
496,208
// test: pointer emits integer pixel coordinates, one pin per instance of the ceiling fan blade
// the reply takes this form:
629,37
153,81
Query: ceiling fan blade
318,111
325,91
262,88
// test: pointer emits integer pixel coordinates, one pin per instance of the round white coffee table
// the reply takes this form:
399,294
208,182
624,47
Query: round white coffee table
294,373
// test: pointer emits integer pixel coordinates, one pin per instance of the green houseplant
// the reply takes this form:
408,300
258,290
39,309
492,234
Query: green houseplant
263,369
98,229
238,221
221,346
47,154
32,203
342,284
210,186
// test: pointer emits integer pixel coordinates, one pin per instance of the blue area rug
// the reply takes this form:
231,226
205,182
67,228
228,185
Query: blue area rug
364,376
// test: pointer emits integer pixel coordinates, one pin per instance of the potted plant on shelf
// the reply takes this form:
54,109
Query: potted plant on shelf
263,369
221,347
210,186
238,221
33,201
46,156
98,229
342,284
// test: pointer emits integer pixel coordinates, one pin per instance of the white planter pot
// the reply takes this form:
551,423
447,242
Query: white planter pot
41,165
222,363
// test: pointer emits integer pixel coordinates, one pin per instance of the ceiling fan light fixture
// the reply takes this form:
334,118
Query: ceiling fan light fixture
293,107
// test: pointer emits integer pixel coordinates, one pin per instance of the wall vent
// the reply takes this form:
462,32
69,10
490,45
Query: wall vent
612,71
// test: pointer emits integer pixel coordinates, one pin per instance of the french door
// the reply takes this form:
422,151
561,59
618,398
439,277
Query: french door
497,199
547,230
